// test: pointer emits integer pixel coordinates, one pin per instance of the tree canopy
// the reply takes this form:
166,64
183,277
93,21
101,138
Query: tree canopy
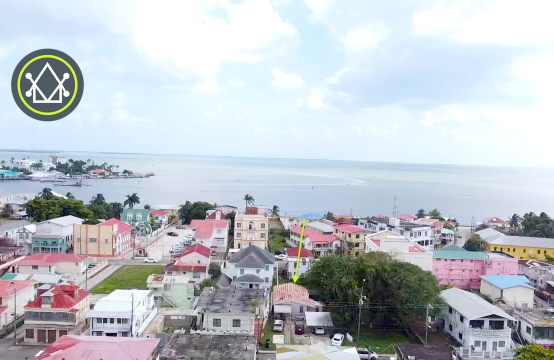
395,292
131,200
196,210
103,210
214,270
475,243
249,199
40,209
533,352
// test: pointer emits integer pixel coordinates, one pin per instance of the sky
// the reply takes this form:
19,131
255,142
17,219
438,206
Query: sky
457,82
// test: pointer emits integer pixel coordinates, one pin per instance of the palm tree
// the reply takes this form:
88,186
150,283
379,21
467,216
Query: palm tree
420,214
12,160
46,193
98,199
88,162
514,221
249,199
2,163
70,195
275,210
7,210
131,200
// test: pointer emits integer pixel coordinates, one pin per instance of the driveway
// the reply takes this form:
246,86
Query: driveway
320,340
161,248
20,352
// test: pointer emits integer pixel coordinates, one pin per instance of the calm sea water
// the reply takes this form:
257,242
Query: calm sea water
305,186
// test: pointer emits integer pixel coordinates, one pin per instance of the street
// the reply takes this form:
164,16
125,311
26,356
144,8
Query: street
20,352
161,248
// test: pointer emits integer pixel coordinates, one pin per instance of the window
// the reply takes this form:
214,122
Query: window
217,322
263,235
450,310
303,261
267,268
495,248
112,321
239,225
514,250
106,241
196,275
501,344
524,251
124,334
30,333
528,330
92,240
500,249
139,216
129,216
461,318
266,280
124,321
239,235
119,321
450,327
35,267
263,225
258,271
236,322
104,320
460,336
167,287
477,344
357,236
242,271
538,251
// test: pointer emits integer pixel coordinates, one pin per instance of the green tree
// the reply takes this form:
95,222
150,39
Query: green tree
70,195
2,163
91,222
515,220
46,194
40,209
99,199
12,160
435,213
172,218
475,243
329,216
249,199
131,201
199,210
147,206
115,210
533,352
207,283
275,210
420,214
214,270
7,210
185,212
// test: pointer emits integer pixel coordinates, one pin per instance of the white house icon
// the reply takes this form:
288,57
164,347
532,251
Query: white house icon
34,88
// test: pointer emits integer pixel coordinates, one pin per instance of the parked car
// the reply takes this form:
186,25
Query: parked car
278,325
319,330
298,329
366,354
150,260
337,339
281,257
171,233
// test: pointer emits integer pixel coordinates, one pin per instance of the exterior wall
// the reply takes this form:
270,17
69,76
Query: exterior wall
246,322
47,228
180,295
463,274
23,298
72,269
522,252
519,296
93,240
423,260
49,245
490,290
530,333
357,241
12,233
266,274
501,265
195,258
303,266
29,269
251,230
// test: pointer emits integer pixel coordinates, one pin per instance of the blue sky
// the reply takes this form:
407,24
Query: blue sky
466,82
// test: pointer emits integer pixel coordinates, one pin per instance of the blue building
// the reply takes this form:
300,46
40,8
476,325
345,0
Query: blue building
8,174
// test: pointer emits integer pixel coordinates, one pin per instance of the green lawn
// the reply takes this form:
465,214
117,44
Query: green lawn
381,342
268,334
277,243
128,277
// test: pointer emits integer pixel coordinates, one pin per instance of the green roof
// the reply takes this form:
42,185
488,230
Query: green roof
457,253
145,213
9,276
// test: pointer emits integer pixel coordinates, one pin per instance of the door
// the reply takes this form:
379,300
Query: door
484,346
51,336
494,345
41,336
62,332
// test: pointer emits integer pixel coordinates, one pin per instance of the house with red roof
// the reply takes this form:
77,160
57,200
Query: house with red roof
400,248
112,238
353,236
213,234
23,290
72,347
161,217
305,261
73,266
495,222
194,261
317,240
58,310
292,301
99,172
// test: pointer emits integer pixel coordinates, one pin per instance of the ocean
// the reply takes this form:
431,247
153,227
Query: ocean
306,186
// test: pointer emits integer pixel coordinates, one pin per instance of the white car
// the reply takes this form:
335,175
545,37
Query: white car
281,257
319,330
278,325
150,260
337,339
365,354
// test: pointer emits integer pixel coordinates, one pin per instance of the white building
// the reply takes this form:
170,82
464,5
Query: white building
71,265
11,229
194,262
304,265
477,325
24,164
213,234
536,326
16,200
161,217
253,261
59,228
122,313
515,290
21,292
422,234
24,236
400,248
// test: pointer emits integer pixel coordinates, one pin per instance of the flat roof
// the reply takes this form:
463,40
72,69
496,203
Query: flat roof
536,317
423,352
229,300
208,346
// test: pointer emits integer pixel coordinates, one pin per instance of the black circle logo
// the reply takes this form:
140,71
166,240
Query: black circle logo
47,85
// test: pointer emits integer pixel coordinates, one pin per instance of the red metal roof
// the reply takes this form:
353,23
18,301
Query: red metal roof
185,267
305,253
121,226
159,212
205,228
407,217
51,259
64,297
3,309
349,228
197,248
7,286
314,236
290,292
72,347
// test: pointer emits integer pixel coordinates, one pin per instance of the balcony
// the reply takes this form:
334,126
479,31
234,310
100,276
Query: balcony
490,333
467,354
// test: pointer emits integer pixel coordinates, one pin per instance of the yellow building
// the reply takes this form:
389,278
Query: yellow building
352,236
519,247
110,238
251,230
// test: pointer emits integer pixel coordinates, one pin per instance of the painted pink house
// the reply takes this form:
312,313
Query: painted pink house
453,265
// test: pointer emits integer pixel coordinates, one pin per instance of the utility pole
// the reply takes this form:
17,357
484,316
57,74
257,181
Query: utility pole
86,278
132,311
427,320
361,302
14,314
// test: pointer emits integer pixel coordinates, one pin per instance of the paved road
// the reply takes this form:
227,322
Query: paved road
21,352
161,248
101,276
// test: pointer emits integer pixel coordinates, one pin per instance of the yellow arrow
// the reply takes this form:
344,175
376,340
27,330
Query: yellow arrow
295,277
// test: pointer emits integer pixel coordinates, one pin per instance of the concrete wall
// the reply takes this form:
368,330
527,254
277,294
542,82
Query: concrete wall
93,240
195,258
464,274
519,296
246,322
257,236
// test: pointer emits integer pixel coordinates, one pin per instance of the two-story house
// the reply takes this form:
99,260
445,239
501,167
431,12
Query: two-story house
12,293
253,261
293,301
194,262
477,325
400,248
55,235
541,276
172,290
352,237
111,238
536,326
251,230
11,229
213,234
58,310
137,218
71,265
304,262
123,313
24,237
161,216
319,240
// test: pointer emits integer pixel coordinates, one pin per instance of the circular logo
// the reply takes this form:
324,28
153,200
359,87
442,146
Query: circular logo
47,85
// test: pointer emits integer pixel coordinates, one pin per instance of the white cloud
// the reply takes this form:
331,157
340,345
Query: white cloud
283,80
208,114
509,22
365,37
236,83
314,101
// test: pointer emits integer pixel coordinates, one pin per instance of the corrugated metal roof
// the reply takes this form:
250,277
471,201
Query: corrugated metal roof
470,305
458,253
508,281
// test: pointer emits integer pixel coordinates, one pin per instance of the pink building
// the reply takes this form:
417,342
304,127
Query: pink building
453,265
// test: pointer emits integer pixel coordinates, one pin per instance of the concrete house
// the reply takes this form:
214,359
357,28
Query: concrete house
58,310
251,230
112,238
12,293
519,247
123,313
172,290
318,238
70,265
55,235
194,262
161,216
400,248
213,234
252,261
135,217
478,326
515,290
304,265
293,301
536,326
353,238
11,229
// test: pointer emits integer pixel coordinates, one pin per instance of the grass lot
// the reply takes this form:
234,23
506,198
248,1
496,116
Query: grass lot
128,277
277,243
268,334
381,342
